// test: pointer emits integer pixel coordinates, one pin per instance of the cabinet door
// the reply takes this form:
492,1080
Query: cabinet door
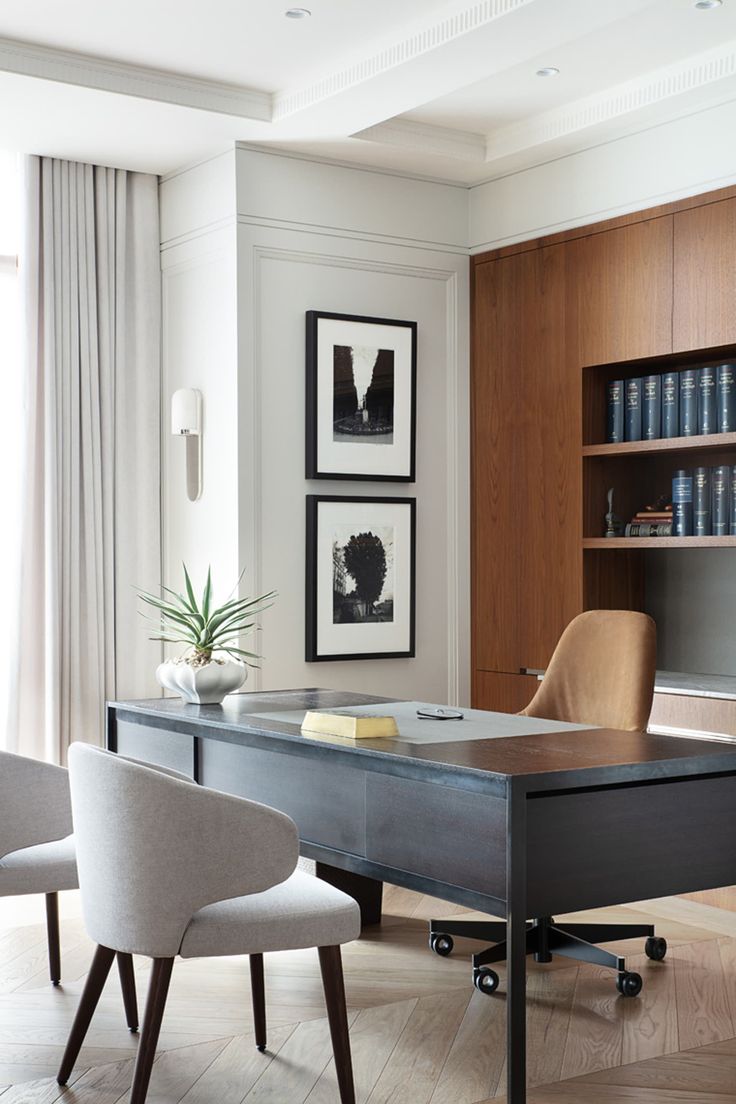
526,462
503,693
620,293
705,276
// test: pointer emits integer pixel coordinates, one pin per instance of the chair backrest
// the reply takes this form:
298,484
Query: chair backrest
35,806
601,673
153,849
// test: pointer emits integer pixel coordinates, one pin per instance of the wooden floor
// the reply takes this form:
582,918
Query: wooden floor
420,1034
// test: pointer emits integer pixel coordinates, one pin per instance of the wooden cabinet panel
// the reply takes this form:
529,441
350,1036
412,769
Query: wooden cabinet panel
503,693
527,564
620,293
705,276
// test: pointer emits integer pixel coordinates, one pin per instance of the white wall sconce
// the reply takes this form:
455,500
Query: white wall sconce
186,421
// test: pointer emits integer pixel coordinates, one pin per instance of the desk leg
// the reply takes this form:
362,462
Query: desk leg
366,891
516,947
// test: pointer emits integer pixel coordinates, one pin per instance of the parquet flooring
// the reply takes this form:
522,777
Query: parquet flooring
420,1033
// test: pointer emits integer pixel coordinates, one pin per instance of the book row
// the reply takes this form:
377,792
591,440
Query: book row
704,502
687,403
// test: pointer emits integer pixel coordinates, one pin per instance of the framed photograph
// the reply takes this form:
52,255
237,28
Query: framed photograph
360,577
361,397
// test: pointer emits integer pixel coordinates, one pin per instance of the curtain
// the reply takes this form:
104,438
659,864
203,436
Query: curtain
90,276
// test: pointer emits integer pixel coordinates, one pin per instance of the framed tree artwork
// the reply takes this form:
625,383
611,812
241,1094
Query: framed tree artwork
360,598
361,397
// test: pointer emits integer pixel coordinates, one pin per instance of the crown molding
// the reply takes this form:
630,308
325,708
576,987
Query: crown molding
47,63
426,138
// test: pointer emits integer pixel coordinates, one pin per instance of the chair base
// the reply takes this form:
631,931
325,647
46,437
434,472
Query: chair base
544,939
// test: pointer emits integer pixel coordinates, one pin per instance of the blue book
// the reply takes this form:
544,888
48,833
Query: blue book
615,411
721,482
682,504
632,415
732,521
707,413
701,502
671,404
689,402
726,398
651,408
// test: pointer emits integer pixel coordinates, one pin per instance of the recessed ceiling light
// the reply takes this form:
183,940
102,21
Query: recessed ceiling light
297,13
707,5
548,71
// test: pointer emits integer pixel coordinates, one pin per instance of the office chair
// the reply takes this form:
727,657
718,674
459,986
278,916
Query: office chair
601,673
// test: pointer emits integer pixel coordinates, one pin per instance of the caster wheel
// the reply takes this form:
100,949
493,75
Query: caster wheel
441,944
655,948
485,980
629,985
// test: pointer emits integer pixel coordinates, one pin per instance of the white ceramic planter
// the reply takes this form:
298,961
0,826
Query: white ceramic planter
206,685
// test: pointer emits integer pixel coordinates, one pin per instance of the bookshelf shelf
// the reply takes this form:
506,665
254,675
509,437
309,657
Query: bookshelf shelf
700,443
611,544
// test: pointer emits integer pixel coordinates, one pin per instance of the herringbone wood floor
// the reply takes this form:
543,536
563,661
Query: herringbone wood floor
420,1034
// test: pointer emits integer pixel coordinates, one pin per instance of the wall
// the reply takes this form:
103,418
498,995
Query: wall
315,236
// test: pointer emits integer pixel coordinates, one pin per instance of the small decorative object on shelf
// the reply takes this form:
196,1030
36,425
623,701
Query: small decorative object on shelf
214,664
652,521
614,525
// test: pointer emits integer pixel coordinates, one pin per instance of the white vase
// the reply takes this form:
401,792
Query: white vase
206,685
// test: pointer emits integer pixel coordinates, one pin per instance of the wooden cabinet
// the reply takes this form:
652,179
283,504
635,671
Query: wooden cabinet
620,293
705,276
526,463
503,693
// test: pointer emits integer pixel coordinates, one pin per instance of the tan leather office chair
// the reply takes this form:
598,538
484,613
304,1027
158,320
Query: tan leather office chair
601,674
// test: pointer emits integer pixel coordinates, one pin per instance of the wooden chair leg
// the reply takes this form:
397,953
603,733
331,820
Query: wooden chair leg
93,987
52,928
127,984
258,994
155,1003
330,963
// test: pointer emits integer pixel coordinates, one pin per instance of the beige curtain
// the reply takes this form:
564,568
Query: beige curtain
91,479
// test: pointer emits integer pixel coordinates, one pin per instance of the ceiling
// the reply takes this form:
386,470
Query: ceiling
442,89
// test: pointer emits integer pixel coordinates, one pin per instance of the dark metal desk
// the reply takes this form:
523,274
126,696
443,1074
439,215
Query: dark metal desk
518,827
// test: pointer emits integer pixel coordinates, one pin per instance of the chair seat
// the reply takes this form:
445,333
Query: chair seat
43,868
300,912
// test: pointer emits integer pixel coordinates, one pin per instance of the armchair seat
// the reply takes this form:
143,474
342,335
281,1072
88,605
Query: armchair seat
42,868
299,912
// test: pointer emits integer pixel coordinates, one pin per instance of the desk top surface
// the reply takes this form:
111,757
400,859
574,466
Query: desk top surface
547,753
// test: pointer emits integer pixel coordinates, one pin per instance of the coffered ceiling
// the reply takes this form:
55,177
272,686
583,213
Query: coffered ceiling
445,90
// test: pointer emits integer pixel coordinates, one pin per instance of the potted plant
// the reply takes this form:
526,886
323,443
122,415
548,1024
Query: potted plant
214,664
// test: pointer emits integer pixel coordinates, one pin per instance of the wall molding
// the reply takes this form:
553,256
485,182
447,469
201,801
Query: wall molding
352,235
461,145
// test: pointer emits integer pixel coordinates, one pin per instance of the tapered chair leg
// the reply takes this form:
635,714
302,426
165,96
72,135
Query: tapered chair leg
258,995
127,984
93,987
155,1003
330,963
52,928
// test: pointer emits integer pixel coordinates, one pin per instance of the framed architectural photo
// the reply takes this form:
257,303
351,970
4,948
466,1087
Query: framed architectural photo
360,598
361,397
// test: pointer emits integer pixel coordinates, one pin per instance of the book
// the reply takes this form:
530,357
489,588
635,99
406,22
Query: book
644,515
732,516
632,410
725,398
614,411
671,404
354,726
689,402
682,504
721,484
707,413
701,502
651,407
648,529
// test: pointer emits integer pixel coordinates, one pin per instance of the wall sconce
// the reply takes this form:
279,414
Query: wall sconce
186,421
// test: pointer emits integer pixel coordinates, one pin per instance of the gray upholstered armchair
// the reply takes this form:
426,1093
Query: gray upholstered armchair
37,853
167,868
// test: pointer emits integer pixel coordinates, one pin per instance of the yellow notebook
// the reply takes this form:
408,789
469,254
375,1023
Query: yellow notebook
360,726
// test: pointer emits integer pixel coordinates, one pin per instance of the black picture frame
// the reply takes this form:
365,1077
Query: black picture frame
312,652
313,470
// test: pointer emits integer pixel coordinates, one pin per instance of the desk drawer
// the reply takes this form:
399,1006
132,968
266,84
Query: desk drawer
174,750
443,833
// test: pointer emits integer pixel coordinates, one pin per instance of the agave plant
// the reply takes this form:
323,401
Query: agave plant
205,628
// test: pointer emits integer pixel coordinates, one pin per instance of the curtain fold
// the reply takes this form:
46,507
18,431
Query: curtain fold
91,476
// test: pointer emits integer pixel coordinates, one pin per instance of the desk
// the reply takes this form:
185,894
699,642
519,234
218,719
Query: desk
558,820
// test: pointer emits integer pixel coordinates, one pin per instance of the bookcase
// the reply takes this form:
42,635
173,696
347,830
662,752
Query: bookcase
553,320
